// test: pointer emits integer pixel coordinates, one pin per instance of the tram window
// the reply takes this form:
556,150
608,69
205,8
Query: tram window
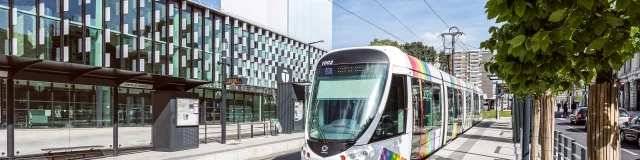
392,122
427,109
437,106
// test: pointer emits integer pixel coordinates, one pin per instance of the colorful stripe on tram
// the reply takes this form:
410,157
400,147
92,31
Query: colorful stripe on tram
421,68
432,143
390,155
454,130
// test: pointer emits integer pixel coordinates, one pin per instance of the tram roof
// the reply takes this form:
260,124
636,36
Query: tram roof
420,69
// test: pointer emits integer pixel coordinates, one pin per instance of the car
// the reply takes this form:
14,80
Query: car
623,116
578,116
630,130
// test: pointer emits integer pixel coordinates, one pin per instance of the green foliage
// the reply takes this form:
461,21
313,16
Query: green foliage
386,42
421,51
443,60
415,49
550,45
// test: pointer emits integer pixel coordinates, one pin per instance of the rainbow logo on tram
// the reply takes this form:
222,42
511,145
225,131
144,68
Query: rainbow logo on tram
421,67
389,155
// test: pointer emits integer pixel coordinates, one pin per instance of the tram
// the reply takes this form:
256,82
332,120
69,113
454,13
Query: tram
377,102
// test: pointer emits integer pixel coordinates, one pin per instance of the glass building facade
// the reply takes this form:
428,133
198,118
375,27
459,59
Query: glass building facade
159,37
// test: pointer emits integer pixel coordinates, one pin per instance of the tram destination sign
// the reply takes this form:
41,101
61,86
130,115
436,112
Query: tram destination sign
233,81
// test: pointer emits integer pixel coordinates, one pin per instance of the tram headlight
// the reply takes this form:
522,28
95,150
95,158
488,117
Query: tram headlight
364,153
352,156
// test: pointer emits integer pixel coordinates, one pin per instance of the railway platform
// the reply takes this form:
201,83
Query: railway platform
490,139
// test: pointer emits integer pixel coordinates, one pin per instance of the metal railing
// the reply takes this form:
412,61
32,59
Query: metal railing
566,148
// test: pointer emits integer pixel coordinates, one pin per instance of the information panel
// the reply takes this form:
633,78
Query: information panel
187,112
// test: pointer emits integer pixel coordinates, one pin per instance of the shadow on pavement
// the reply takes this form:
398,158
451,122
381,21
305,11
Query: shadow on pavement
498,158
488,138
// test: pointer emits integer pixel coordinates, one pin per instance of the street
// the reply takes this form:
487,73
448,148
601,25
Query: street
287,155
630,151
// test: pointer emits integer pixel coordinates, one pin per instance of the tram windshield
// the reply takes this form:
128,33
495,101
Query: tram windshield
345,100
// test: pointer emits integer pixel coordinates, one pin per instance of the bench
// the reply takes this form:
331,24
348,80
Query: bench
264,124
64,149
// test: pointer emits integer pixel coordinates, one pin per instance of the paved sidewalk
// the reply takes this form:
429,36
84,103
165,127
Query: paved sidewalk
244,149
490,139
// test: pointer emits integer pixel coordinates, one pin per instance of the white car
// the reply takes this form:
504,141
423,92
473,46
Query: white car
623,117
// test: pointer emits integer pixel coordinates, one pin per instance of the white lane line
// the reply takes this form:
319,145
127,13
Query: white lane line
625,150
631,153
574,129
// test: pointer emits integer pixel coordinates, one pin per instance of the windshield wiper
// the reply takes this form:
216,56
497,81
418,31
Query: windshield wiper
317,124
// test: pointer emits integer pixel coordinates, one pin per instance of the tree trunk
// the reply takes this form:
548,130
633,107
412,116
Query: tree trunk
546,128
535,128
603,127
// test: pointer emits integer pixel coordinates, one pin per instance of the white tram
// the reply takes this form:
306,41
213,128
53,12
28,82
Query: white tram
380,103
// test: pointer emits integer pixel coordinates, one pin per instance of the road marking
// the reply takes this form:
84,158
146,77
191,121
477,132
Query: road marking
631,153
574,129
625,150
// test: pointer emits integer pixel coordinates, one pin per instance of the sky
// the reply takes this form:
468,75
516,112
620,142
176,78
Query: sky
467,15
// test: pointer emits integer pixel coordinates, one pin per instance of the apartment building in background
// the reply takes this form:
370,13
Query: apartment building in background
467,65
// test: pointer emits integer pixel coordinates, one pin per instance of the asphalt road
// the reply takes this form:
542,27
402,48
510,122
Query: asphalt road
630,151
287,155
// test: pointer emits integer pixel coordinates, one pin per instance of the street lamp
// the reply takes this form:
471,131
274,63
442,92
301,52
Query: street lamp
320,41
223,111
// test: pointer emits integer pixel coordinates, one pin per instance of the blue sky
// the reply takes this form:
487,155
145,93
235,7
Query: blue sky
467,15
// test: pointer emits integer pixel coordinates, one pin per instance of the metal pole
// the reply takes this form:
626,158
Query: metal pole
223,112
114,118
526,128
204,110
513,125
453,53
10,118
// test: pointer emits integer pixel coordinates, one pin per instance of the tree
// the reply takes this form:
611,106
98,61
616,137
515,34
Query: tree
386,42
443,60
421,51
550,45
416,49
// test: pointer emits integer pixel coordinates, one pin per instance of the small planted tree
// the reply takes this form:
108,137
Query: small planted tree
546,46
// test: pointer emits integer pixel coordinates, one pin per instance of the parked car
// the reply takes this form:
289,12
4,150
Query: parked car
578,116
622,117
630,130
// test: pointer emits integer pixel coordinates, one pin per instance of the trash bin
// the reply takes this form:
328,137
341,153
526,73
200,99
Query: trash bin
274,127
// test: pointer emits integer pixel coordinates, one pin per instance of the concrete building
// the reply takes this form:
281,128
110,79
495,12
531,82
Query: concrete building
73,73
629,76
467,66
486,84
307,20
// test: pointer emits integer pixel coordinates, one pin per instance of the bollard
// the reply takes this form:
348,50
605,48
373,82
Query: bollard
238,130
251,130
583,153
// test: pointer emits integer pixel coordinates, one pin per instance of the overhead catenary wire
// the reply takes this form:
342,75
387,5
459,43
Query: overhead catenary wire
405,26
434,11
468,45
334,3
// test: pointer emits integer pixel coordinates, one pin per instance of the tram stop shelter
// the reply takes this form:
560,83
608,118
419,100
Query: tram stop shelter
291,98
21,68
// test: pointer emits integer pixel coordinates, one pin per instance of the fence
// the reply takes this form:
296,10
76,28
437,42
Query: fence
566,148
